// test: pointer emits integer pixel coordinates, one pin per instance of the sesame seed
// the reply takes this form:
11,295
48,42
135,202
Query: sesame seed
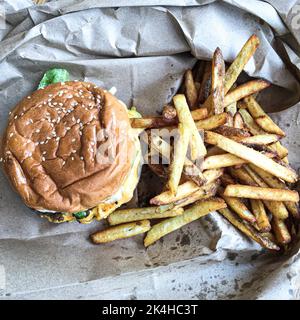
37,130
28,97
73,151
57,139
9,113
50,95
92,143
11,134
61,104
81,158
1,159
78,121
43,159
73,140
68,128
16,117
72,158
42,142
44,152
64,162
80,133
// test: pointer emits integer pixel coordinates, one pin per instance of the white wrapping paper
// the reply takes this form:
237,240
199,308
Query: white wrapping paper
143,51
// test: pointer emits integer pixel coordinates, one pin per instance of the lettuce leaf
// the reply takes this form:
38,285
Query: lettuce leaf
54,76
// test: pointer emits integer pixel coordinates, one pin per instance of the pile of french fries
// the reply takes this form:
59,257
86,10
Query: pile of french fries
227,157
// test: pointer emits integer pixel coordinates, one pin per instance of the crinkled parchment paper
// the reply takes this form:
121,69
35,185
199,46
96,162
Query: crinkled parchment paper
143,51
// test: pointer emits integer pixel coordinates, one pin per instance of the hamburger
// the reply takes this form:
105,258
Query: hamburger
70,152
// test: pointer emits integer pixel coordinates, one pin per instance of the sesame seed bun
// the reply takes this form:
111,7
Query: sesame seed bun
68,147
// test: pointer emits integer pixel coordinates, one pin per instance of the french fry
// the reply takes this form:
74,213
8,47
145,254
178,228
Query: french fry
180,150
152,122
186,189
231,110
207,191
276,183
233,133
249,122
190,89
183,191
244,90
238,120
237,66
261,139
279,149
193,213
226,179
260,214
251,155
242,176
267,124
212,122
199,114
277,208
190,170
197,145
121,231
205,86
238,207
222,161
217,82
262,119
257,130
213,151
129,215
281,232
169,112
285,160
251,192
248,230
240,61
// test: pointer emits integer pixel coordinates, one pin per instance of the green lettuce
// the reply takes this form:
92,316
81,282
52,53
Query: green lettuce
54,76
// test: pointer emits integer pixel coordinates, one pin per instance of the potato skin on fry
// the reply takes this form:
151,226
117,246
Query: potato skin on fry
251,192
190,89
121,231
129,215
195,212
251,155
240,61
245,90
217,83
248,230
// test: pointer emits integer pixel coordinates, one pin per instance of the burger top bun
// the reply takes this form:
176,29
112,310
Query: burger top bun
67,147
